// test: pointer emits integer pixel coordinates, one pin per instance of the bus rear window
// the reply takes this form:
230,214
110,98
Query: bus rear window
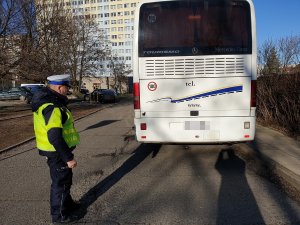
181,28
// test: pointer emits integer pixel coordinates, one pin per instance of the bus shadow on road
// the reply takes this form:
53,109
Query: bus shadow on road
139,155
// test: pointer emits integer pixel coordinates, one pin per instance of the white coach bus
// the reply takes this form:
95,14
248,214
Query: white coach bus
194,71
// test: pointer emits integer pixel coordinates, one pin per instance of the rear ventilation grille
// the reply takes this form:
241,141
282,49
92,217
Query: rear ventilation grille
195,67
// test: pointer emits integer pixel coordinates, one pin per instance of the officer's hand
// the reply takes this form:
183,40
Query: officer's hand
72,163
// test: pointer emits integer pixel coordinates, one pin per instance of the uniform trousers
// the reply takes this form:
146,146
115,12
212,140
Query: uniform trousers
60,198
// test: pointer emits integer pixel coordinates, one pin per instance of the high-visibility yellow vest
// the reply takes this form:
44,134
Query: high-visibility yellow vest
41,129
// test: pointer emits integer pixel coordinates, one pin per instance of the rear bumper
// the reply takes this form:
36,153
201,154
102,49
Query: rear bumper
195,130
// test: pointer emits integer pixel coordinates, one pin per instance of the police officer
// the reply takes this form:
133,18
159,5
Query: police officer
56,138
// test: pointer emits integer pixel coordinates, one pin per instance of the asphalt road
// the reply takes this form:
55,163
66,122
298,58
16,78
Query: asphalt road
122,182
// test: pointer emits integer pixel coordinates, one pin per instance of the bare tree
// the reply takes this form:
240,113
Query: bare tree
53,23
87,49
119,72
18,32
268,58
9,27
37,43
40,37
289,51
29,44
263,53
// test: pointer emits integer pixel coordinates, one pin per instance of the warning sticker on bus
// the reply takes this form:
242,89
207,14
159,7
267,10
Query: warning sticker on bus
152,86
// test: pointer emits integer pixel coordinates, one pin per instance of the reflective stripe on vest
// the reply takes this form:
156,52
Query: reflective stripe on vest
41,129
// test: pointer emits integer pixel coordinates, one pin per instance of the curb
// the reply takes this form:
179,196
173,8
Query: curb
2,151
276,171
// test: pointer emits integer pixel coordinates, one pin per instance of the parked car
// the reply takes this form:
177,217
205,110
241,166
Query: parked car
104,95
29,90
12,94
84,91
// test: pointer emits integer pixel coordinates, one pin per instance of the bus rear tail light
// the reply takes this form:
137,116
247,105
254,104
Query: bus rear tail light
136,95
253,93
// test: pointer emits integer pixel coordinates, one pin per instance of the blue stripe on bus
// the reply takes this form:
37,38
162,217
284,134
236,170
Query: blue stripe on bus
210,93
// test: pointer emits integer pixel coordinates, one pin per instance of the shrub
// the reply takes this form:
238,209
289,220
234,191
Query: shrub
278,102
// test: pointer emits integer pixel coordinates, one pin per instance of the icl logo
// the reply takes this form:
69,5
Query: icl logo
152,86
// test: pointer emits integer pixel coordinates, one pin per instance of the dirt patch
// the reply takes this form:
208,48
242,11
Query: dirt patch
14,131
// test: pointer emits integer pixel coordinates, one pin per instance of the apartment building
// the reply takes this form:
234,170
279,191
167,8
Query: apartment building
115,18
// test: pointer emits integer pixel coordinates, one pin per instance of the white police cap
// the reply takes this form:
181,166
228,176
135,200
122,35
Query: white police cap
63,79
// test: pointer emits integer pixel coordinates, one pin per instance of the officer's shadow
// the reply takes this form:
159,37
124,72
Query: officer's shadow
142,152
236,202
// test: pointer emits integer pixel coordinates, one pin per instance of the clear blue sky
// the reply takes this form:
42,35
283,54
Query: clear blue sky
276,19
